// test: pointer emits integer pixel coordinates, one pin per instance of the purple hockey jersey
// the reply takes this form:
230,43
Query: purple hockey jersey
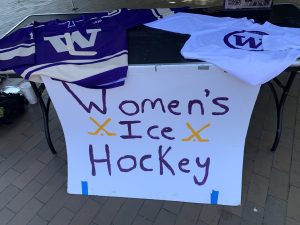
17,49
90,51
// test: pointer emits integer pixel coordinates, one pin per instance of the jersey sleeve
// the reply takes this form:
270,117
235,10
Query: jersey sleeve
17,49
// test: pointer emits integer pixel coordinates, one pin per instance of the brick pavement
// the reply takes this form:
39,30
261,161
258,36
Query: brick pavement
33,182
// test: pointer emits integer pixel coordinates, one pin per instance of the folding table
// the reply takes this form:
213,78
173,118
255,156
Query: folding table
151,46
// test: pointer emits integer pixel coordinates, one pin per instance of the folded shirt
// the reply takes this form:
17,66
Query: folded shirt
237,46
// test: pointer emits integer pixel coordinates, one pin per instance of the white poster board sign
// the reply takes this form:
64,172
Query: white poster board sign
172,132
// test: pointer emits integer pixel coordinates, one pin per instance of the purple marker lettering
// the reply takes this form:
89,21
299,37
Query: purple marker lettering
163,162
132,158
225,107
93,160
206,166
129,128
184,162
142,163
173,105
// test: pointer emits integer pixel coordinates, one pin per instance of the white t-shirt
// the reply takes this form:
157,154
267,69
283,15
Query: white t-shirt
235,45
284,38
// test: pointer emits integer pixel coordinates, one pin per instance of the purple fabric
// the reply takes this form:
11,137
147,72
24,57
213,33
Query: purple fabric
19,46
103,78
66,63
13,63
102,33
19,38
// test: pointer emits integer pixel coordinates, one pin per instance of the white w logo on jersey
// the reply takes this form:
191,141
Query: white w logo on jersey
70,39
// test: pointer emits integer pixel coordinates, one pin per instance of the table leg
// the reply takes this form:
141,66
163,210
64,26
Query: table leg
45,113
280,104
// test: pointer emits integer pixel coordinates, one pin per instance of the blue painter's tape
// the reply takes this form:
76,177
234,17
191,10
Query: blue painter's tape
84,187
214,197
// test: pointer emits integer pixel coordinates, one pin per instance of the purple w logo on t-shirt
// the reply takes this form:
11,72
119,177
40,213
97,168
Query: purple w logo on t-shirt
246,40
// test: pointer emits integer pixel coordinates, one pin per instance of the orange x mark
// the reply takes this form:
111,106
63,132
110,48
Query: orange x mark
101,127
196,133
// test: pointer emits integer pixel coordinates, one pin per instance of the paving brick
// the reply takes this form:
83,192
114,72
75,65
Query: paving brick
141,221
189,214
54,136
290,221
86,213
275,211
16,129
279,184
37,221
8,178
9,162
75,202
164,217
173,207
248,166
128,212
267,138
296,152
108,211
35,127
64,216
263,163
46,156
5,216
28,175
51,187
255,129
200,222
63,154
270,121
295,173
294,89
32,141
283,156
258,189
10,146
9,193
26,161
150,209
101,200
294,203
211,214
250,152
252,214
24,196
297,129
49,170
287,136
237,210
290,108
50,209
64,170
229,219
27,213
60,145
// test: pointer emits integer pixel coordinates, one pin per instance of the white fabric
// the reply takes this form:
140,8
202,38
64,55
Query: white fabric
284,38
20,52
235,45
73,70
